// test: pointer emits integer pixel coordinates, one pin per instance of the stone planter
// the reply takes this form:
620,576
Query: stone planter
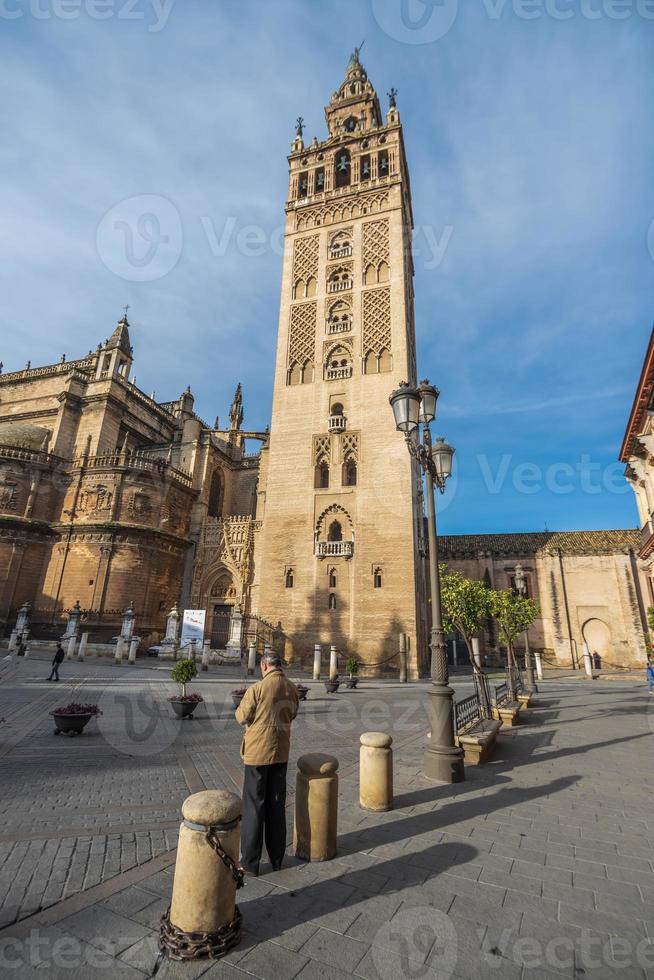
184,709
332,686
352,683
70,724
302,692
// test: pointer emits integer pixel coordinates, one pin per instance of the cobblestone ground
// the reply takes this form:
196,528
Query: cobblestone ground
538,866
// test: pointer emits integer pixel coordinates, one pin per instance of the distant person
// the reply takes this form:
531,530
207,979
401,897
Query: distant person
650,676
267,710
58,658
597,661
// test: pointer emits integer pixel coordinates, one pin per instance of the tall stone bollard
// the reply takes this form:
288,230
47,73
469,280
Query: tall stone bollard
120,649
403,659
82,646
252,659
133,647
376,772
539,664
317,657
203,919
193,651
206,649
70,652
588,663
316,807
333,662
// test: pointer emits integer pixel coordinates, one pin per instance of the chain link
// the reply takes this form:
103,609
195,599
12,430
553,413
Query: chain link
214,842
182,945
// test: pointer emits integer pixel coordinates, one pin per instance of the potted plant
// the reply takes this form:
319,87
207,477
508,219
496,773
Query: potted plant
184,704
332,684
72,719
237,695
302,691
352,667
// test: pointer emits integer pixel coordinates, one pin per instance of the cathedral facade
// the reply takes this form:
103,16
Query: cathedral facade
111,499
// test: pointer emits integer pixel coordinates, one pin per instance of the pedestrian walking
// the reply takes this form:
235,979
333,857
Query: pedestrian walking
267,710
650,676
58,658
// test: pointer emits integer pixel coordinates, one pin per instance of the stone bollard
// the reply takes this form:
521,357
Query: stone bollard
316,807
539,664
376,772
204,887
120,648
133,647
588,663
403,660
252,659
206,648
82,646
317,658
333,662
70,652
193,644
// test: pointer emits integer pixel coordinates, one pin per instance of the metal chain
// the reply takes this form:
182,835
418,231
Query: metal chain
214,842
182,945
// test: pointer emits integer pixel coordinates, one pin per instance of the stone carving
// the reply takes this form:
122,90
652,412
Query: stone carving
139,505
333,213
376,333
8,495
95,499
376,243
305,261
302,339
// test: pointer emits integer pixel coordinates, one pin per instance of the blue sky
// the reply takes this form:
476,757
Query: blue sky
530,141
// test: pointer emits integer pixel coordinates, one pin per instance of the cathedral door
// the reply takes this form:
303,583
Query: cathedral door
220,627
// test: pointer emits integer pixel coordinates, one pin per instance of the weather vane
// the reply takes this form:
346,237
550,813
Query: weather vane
392,95
299,122
126,308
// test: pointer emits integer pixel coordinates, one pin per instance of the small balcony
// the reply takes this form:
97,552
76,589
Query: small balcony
338,373
340,253
339,326
334,549
336,423
339,285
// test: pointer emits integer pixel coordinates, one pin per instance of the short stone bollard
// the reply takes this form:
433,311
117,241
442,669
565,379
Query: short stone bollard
333,662
403,659
376,772
120,649
70,652
317,657
133,647
539,665
203,919
206,651
316,807
252,659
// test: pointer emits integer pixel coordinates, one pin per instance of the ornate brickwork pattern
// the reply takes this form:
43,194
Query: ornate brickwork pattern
305,258
350,445
376,333
331,214
376,242
322,448
302,339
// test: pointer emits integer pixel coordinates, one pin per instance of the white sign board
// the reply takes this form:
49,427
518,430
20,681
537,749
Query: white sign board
193,626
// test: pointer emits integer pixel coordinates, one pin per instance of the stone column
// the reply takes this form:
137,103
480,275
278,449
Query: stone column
403,659
170,640
317,657
316,807
192,651
129,618
588,664
72,643
376,772
72,626
539,664
333,662
234,644
206,646
133,647
22,628
204,890
82,646
252,659
120,650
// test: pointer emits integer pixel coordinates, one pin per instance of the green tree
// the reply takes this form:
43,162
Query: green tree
514,614
466,605
183,672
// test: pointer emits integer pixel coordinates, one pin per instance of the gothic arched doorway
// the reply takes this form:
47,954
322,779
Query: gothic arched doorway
220,603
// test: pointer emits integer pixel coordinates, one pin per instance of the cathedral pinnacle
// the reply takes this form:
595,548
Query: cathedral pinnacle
236,409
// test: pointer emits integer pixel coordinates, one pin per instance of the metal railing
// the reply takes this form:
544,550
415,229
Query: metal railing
467,712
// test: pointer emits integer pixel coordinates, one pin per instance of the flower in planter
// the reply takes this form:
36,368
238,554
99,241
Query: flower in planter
77,709
302,687
239,692
187,698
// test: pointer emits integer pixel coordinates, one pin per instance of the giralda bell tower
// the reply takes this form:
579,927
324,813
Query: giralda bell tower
338,559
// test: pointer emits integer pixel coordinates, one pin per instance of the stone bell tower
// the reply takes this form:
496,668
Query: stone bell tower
338,560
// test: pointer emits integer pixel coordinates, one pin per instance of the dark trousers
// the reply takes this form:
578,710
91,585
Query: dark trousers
54,672
264,812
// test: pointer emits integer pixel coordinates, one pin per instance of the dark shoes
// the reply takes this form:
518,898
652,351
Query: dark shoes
277,867
252,872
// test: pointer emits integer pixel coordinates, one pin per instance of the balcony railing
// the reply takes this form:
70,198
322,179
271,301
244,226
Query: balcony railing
339,327
336,423
334,549
337,374
339,285
340,253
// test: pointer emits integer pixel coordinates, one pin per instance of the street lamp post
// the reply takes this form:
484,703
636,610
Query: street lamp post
443,759
521,588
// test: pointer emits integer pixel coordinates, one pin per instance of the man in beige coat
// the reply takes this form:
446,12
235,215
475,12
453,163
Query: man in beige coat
267,710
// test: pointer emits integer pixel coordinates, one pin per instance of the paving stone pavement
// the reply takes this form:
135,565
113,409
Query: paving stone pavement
539,866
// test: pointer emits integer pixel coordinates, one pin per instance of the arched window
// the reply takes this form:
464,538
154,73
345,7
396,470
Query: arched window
339,318
369,275
307,372
340,245
321,481
335,532
365,167
370,364
332,600
311,287
377,578
215,504
383,272
289,578
350,473
342,168
295,375
382,163
332,579
385,362
339,364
